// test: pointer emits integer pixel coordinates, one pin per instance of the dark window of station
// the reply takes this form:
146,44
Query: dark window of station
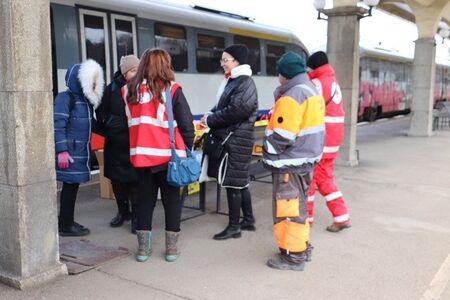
172,38
124,38
94,32
254,51
274,53
209,53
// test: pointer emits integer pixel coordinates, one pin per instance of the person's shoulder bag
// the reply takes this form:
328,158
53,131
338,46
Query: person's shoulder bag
180,172
214,147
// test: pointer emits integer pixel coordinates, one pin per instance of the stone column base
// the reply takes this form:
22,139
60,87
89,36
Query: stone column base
346,163
27,282
415,134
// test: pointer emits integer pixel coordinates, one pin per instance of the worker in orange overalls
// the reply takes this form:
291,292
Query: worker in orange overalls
322,75
292,145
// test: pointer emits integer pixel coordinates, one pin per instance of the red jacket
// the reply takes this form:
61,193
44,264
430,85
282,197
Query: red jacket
149,129
325,79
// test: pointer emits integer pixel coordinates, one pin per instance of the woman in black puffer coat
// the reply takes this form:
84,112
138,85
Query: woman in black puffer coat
233,119
113,121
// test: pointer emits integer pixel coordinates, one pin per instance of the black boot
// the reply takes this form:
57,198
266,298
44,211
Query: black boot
249,220
73,229
233,230
117,220
121,195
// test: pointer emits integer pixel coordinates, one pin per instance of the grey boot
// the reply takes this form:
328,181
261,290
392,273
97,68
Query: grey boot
308,251
145,245
280,263
171,245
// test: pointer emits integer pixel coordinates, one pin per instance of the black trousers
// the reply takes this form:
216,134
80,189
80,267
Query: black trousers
67,203
125,193
237,199
149,183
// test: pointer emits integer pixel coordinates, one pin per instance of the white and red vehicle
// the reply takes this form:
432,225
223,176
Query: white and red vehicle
385,87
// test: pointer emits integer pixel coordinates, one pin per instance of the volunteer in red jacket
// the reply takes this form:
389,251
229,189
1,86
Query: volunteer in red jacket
150,145
322,75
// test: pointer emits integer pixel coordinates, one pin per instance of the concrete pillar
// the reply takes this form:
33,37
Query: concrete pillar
343,53
423,87
28,213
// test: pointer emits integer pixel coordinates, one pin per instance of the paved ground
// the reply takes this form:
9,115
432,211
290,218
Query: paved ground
398,247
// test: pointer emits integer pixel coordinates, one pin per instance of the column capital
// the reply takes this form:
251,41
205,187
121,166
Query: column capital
345,11
426,40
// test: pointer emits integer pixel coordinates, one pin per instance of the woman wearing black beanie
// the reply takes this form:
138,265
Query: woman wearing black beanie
231,121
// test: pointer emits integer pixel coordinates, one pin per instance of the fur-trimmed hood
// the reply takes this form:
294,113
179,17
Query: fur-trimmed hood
87,79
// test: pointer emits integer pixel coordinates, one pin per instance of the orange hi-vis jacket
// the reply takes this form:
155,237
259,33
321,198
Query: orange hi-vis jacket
294,136
325,80
149,129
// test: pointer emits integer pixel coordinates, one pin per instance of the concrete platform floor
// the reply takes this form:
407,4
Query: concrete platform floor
398,247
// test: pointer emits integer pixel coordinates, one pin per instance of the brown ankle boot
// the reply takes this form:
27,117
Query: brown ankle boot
335,227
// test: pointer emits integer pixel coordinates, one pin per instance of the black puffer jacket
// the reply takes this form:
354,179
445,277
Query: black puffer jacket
236,112
113,122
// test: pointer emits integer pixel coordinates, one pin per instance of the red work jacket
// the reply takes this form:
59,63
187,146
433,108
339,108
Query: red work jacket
325,80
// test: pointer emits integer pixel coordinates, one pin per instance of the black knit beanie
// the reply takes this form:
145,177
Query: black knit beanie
317,59
239,52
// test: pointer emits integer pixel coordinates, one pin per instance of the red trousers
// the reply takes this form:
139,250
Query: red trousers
323,178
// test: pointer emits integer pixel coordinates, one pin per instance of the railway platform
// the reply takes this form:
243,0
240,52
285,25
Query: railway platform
397,248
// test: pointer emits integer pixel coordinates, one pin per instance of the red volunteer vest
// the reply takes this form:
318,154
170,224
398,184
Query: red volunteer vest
149,129
325,79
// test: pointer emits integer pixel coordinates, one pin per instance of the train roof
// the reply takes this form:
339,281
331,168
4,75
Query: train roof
188,15
404,55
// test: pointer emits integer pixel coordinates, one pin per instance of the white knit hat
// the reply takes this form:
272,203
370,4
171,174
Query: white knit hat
127,63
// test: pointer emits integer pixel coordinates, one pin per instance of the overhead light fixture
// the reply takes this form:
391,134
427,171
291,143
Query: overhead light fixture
444,33
320,5
370,4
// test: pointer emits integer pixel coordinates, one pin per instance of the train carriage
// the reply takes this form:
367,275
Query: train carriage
195,36
385,87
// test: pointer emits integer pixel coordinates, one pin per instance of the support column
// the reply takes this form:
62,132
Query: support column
423,87
28,212
343,53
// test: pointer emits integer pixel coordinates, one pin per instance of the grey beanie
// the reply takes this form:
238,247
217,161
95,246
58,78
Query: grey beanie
127,63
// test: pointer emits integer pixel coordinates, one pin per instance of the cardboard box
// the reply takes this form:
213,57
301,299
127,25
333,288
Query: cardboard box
106,190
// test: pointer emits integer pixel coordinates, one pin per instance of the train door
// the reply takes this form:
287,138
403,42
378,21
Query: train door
124,39
95,39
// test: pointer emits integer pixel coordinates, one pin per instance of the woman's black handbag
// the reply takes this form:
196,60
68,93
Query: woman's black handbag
214,147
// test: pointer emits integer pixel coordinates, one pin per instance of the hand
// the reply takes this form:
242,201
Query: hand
63,160
203,121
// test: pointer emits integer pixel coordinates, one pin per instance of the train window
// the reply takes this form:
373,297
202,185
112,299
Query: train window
124,37
273,54
172,38
209,52
254,51
94,35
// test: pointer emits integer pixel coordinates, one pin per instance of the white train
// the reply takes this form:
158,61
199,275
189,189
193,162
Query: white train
195,37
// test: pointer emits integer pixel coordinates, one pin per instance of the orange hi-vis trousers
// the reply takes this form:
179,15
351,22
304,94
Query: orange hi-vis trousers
290,214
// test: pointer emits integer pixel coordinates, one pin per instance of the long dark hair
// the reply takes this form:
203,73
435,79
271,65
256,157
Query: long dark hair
156,68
